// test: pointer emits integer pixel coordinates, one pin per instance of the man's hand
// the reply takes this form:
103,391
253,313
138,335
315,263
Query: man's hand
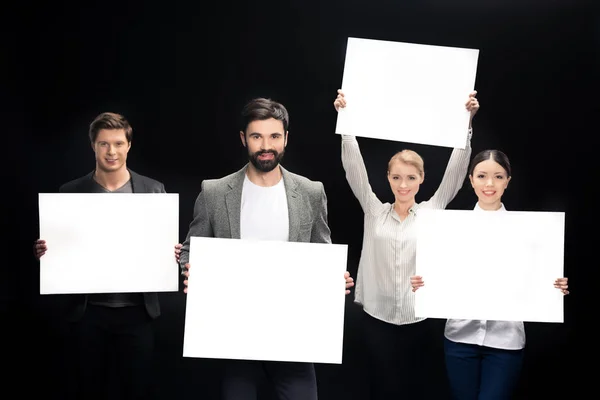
349,281
178,251
39,248
187,275
562,284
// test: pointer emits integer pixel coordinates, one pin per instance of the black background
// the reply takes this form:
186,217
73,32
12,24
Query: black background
181,72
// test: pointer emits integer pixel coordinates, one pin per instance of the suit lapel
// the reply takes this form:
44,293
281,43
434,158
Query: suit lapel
233,201
294,200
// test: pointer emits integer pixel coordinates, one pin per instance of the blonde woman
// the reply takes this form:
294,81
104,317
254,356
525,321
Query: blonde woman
395,338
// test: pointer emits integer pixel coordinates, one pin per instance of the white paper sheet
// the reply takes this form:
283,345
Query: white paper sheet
265,300
109,242
407,92
490,265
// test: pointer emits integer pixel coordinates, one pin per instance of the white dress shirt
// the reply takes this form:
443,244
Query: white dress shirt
508,335
389,245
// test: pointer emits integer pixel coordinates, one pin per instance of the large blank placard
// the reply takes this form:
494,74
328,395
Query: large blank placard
407,92
265,300
109,242
490,265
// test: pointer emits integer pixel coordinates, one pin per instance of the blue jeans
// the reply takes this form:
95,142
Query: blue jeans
480,372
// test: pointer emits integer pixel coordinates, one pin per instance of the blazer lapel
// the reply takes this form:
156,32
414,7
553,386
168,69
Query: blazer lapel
294,200
233,202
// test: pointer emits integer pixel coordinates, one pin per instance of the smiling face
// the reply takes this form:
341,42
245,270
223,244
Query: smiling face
405,180
111,148
489,180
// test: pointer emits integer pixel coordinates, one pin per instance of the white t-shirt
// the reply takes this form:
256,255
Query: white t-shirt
264,212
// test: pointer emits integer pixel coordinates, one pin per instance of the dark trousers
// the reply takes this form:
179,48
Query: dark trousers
113,352
289,380
402,360
480,372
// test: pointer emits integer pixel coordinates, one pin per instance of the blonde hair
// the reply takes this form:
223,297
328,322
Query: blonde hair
408,157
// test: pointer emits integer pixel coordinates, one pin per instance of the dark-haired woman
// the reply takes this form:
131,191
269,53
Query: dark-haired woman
484,358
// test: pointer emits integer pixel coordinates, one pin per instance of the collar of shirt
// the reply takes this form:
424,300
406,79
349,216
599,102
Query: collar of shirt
411,211
477,208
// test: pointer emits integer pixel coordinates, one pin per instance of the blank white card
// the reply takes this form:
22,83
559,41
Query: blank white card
265,300
109,242
490,265
407,92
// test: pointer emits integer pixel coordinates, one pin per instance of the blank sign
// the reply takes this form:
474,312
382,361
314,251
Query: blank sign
265,300
109,242
407,92
490,265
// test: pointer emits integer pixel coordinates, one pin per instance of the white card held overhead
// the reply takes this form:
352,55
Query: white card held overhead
407,92
109,242
265,300
490,265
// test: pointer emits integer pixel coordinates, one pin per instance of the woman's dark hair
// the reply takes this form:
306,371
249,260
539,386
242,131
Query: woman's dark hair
495,155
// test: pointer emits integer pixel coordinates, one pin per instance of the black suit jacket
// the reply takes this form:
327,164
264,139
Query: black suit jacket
140,184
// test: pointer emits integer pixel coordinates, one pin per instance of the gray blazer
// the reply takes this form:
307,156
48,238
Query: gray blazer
218,206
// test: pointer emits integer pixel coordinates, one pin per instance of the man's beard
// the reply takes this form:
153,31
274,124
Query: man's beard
265,165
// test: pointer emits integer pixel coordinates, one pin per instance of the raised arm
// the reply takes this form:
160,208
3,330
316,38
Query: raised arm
456,170
356,172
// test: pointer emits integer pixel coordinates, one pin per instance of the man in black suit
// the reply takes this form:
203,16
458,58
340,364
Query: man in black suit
111,326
